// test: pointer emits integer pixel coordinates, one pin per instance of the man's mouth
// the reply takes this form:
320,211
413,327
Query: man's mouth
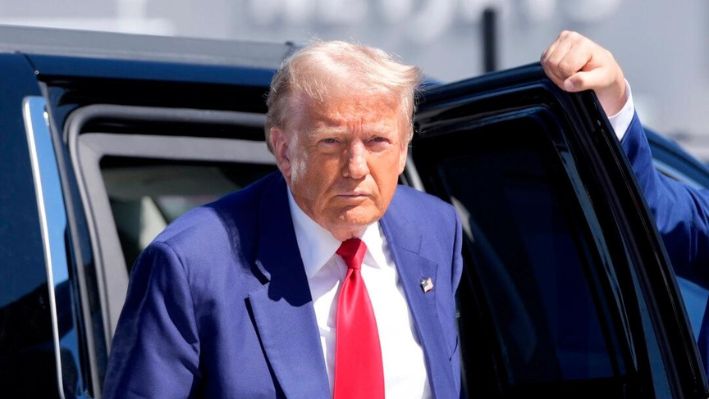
353,195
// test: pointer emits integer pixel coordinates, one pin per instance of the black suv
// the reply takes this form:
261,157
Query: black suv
106,138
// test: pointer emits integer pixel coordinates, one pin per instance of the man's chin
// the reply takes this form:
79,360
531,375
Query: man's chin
358,216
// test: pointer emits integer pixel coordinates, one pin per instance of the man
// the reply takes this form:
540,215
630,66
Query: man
262,293
245,297
681,212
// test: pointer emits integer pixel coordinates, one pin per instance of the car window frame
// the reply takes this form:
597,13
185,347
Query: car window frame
88,147
53,224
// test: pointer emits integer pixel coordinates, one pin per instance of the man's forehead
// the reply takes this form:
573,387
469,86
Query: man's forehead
347,105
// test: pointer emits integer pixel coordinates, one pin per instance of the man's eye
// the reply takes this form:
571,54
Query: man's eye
329,140
378,140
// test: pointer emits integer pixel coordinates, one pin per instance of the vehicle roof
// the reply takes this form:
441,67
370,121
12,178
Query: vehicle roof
93,44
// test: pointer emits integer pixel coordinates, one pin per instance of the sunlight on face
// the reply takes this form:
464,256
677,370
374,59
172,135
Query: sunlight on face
342,159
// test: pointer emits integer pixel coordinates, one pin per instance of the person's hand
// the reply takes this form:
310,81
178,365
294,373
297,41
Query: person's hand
575,63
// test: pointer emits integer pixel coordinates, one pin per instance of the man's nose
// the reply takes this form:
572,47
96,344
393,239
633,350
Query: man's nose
356,161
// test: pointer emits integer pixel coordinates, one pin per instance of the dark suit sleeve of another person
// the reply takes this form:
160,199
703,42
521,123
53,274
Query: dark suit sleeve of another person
681,212
156,354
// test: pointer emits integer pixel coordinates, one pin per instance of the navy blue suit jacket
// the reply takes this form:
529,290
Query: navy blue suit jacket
682,217
218,305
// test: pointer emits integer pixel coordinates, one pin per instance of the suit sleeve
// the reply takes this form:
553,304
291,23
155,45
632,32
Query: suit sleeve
155,350
681,212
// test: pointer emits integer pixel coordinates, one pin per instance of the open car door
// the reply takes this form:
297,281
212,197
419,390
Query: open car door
567,291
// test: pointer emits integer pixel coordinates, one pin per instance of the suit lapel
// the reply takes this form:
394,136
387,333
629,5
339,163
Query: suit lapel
282,307
405,240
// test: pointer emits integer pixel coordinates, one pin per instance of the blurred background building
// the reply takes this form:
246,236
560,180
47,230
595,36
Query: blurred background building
662,45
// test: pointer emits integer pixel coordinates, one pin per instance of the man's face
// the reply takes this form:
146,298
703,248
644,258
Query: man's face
342,159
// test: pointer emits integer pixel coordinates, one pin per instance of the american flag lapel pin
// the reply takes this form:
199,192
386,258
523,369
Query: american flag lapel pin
427,284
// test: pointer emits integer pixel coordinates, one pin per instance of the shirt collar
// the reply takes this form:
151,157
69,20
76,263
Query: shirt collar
318,245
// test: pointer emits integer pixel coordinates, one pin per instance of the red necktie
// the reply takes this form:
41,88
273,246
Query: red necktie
358,357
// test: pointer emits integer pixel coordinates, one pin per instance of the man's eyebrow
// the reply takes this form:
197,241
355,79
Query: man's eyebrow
374,129
328,126
328,129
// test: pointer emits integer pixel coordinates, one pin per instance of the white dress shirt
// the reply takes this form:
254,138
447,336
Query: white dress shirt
622,119
402,356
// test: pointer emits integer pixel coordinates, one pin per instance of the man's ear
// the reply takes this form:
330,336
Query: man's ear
279,143
402,159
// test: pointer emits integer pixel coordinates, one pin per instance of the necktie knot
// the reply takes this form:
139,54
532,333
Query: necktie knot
352,251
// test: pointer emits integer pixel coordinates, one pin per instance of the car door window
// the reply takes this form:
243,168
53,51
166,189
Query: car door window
141,167
147,194
566,290
532,257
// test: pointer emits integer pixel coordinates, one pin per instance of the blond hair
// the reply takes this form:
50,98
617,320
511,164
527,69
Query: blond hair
324,67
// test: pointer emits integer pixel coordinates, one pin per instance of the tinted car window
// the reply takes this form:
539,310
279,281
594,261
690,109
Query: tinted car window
537,271
533,256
